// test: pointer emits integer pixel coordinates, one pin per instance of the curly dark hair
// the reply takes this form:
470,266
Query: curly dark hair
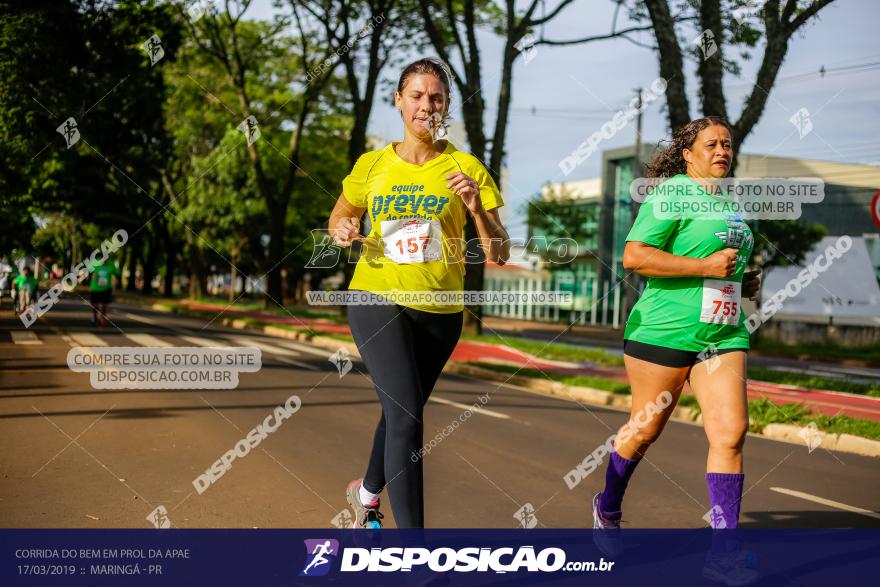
429,65
670,161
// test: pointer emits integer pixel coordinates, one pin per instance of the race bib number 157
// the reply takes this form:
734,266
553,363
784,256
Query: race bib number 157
412,240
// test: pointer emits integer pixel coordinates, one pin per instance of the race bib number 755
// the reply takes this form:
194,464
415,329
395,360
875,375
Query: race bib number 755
721,302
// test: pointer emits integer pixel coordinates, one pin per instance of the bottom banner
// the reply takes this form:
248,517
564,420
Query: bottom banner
439,557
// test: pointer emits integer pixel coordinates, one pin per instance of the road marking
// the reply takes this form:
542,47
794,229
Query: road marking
143,319
476,410
87,339
828,502
298,364
306,349
24,337
146,340
206,342
275,350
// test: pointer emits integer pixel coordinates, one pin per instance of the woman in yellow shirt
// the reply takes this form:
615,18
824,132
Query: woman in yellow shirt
416,193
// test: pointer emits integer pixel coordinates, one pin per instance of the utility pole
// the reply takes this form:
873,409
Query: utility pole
631,279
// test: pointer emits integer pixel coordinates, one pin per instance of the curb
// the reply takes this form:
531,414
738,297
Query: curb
827,440
587,395
782,432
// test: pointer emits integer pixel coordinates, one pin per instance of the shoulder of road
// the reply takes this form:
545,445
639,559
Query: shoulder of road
834,420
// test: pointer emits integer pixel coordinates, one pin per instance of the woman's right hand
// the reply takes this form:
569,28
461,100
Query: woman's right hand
721,263
348,229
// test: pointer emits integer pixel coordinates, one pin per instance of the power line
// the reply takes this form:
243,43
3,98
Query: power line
605,113
822,71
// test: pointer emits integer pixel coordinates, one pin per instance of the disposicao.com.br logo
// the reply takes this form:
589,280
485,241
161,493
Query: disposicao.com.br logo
321,553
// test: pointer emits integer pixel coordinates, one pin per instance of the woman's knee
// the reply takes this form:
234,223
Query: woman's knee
646,435
728,435
640,434
403,426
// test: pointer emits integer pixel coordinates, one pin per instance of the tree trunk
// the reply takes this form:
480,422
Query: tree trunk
170,268
671,63
274,286
150,266
711,70
133,258
233,274
357,144
198,277
292,278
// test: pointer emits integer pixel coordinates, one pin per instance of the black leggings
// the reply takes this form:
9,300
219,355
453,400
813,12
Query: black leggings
404,351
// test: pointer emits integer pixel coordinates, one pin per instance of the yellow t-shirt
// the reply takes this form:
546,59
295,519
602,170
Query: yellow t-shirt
416,238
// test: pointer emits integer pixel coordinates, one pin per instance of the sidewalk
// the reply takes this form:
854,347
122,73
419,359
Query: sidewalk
830,403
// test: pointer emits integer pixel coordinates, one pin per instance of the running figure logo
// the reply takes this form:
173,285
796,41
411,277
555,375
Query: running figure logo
706,43
343,519
199,9
159,517
342,361
251,129
715,518
709,355
437,125
526,516
811,436
320,553
325,254
526,46
70,131
801,120
154,50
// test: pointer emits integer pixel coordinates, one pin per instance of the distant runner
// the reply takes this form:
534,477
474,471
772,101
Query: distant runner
101,290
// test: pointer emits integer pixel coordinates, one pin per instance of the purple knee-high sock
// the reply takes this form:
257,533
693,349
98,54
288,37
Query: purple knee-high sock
617,476
725,494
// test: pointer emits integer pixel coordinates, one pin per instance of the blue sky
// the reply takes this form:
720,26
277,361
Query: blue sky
576,89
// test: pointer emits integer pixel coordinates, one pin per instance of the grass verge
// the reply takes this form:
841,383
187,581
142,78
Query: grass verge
761,412
602,383
553,351
811,382
868,354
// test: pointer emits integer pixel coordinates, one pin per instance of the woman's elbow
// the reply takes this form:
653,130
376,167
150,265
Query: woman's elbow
630,259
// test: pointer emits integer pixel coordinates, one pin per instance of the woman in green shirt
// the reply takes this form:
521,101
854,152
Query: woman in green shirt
688,325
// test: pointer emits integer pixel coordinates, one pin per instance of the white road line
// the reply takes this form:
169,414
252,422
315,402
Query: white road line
298,364
24,337
87,339
143,319
275,350
828,502
307,349
147,340
206,342
476,410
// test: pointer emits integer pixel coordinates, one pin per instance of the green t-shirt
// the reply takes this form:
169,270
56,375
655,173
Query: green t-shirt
102,276
690,313
22,282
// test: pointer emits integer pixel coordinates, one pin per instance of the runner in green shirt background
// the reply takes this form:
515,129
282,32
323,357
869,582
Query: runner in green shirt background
101,290
24,290
688,324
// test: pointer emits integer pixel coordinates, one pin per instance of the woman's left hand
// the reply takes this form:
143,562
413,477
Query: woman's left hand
467,189
751,283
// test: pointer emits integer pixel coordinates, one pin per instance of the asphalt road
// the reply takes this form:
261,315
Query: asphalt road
79,457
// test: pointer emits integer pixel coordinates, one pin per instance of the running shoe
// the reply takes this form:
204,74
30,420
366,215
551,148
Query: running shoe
365,516
608,539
